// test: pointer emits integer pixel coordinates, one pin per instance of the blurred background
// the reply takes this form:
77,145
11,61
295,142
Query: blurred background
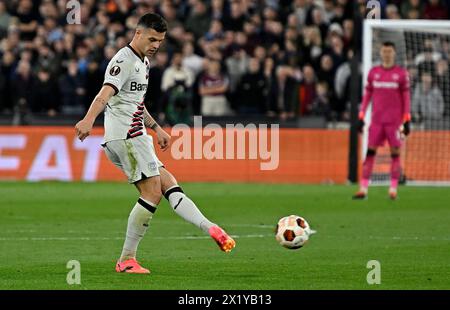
296,63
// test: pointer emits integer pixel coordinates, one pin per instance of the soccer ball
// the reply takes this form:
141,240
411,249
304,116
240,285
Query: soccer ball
292,231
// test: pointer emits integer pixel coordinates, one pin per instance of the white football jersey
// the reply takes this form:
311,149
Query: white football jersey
127,73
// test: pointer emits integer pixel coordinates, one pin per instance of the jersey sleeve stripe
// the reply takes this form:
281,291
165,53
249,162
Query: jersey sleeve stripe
116,91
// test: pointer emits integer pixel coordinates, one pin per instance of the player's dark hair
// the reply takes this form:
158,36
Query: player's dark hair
389,44
153,21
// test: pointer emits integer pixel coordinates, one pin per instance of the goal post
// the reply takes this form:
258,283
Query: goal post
423,47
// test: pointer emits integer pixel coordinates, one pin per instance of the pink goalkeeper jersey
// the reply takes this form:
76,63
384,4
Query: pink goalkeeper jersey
389,91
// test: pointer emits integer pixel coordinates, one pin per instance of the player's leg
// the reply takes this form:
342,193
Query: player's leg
366,173
138,223
376,138
186,208
132,157
394,139
141,214
395,172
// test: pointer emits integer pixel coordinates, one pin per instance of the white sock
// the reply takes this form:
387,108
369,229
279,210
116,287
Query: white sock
138,222
186,208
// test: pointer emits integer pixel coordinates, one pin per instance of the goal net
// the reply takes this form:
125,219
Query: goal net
423,47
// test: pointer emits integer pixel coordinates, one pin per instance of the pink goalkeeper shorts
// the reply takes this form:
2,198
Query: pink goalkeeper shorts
378,134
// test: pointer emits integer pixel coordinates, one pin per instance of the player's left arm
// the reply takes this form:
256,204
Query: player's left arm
405,86
162,135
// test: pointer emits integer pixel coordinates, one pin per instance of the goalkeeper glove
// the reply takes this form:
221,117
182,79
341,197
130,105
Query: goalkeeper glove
360,125
406,128
406,124
360,122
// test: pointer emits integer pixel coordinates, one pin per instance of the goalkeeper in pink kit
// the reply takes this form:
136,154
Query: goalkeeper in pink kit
388,87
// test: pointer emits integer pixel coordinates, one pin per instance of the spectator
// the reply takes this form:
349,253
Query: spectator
5,19
47,60
312,46
82,53
252,35
337,51
411,6
434,9
236,66
342,87
199,19
271,80
72,89
413,14
22,86
109,53
443,82
191,60
301,8
252,91
348,27
176,86
319,21
215,30
392,12
426,61
28,20
427,102
328,10
307,91
6,71
176,73
213,87
235,20
154,97
288,80
94,81
326,71
321,103
45,94
217,8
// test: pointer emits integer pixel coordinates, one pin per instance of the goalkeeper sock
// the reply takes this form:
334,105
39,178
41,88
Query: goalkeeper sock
367,171
395,170
138,222
186,208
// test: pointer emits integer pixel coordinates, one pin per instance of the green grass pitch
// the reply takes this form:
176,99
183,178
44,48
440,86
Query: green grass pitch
45,225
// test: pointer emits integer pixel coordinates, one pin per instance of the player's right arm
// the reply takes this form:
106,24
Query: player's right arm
366,99
116,75
84,127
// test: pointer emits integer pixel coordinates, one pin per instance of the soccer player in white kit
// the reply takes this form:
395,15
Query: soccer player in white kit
128,146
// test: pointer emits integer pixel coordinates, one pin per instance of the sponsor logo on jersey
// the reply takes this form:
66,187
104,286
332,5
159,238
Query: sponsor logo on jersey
114,71
134,86
388,85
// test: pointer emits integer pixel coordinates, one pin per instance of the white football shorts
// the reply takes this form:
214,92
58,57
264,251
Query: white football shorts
136,157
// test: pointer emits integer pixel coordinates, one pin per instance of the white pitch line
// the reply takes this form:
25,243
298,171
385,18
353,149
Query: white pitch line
120,238
431,238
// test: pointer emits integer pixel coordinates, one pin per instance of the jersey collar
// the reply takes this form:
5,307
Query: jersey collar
135,53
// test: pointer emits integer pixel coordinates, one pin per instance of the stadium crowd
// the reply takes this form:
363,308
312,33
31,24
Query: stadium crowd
285,59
